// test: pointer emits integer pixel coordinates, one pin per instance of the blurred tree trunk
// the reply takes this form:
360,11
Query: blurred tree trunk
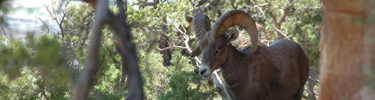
347,50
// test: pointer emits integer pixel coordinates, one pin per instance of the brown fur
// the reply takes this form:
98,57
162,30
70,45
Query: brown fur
277,72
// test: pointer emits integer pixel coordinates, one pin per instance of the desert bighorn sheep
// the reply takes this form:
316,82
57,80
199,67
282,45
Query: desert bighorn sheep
276,72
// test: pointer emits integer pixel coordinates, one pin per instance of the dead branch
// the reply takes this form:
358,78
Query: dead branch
259,7
44,23
282,20
53,14
286,12
42,91
171,47
234,6
210,5
188,18
261,27
219,13
281,33
2,29
205,8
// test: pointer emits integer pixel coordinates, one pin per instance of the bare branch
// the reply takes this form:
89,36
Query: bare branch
282,20
171,47
281,33
188,18
217,10
234,6
205,8
201,2
44,23
260,9
286,12
2,29
273,16
208,7
261,27
53,14
223,88
42,92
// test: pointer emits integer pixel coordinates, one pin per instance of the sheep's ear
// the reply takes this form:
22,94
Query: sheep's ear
232,36
196,52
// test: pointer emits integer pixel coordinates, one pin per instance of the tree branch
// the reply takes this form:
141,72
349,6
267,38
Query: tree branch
282,20
44,23
261,27
146,3
286,12
2,29
171,47
259,7
273,16
85,82
43,93
129,60
232,4
210,5
219,13
281,33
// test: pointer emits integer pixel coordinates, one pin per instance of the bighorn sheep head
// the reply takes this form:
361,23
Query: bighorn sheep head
212,41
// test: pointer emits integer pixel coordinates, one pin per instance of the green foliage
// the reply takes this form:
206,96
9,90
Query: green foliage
184,83
155,75
171,82
147,29
38,62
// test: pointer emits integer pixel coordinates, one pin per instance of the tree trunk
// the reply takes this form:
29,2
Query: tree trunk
345,56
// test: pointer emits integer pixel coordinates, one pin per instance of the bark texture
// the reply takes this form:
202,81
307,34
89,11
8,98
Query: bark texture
345,54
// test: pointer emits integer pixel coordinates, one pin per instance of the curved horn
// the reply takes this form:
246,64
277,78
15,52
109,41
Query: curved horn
240,18
201,24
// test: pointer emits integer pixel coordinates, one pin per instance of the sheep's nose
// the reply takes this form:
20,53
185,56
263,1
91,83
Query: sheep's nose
201,72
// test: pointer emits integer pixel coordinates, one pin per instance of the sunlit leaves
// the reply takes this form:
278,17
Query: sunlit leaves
40,56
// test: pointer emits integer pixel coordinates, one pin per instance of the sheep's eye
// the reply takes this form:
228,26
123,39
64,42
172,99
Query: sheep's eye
220,47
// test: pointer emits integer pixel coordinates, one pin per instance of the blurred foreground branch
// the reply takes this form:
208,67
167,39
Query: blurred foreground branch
126,49
84,84
128,53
